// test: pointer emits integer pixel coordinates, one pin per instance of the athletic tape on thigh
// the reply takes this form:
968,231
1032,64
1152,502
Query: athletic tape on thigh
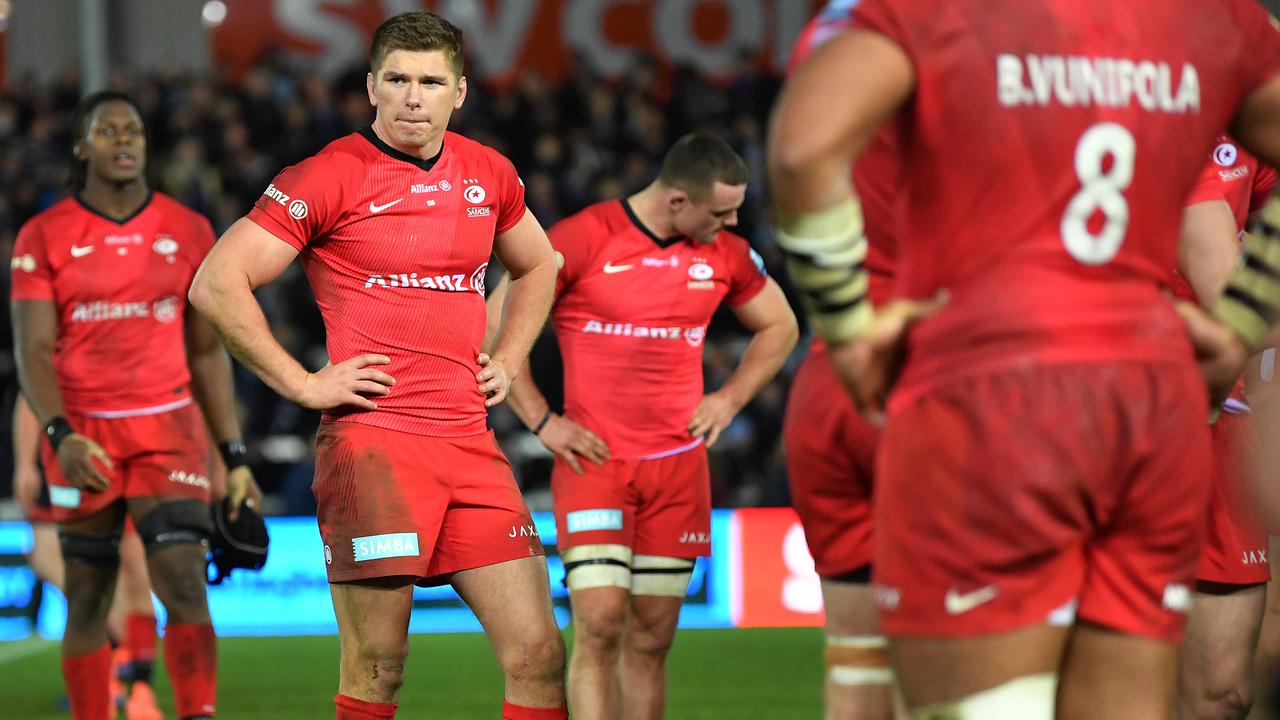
657,575
1030,697
858,660
174,523
590,566
90,548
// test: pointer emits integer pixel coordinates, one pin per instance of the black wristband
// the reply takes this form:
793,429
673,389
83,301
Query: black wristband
542,423
57,430
234,454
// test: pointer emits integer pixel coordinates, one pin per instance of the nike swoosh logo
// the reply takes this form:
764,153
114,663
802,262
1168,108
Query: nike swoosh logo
610,268
961,603
379,208
81,251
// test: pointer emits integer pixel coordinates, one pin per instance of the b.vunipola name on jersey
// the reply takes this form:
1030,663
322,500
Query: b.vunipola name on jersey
1076,80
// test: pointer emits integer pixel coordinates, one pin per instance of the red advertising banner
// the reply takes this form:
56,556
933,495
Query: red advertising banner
779,587
503,37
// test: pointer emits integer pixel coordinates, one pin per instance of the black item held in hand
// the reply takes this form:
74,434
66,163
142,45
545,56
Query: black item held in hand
236,544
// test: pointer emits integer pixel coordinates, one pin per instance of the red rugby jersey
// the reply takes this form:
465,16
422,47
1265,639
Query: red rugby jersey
1236,177
1050,144
630,316
120,290
396,249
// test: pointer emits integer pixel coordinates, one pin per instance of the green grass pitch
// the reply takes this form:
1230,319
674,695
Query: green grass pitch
763,674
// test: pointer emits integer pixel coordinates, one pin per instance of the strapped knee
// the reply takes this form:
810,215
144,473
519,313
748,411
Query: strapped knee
592,566
1030,697
180,522
858,660
657,575
101,549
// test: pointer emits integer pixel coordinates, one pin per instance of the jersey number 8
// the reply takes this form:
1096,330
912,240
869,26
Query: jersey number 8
1100,191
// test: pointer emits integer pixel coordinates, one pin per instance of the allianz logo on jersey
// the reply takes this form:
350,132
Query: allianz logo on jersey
692,335
442,186
164,310
459,282
297,208
376,547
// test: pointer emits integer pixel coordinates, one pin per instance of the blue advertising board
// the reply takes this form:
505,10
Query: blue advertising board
290,596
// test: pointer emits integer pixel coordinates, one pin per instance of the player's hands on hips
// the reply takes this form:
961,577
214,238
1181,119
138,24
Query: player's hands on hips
242,489
869,365
568,439
79,457
26,485
493,381
1219,350
714,413
351,382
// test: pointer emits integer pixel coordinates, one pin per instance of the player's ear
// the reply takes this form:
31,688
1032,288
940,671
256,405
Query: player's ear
678,200
368,82
462,93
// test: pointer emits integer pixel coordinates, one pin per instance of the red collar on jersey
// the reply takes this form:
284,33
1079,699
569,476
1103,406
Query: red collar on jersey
119,221
368,134
635,220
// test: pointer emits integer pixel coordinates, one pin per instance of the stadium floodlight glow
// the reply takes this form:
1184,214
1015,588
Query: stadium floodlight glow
213,13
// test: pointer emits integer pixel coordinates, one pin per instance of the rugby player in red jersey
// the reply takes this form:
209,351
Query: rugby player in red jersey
1043,476
131,624
641,278
110,360
394,226
831,448
1215,677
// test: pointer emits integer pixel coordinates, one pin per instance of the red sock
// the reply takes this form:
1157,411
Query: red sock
349,708
191,656
511,711
140,636
87,677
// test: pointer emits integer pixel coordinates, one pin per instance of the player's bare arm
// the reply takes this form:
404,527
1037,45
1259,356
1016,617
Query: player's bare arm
212,386
831,108
773,336
1257,127
35,329
526,253
244,259
26,441
1208,249
559,434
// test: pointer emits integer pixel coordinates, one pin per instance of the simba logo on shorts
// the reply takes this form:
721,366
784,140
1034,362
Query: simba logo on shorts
64,497
597,519
376,547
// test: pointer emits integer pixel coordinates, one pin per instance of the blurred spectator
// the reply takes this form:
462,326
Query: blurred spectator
215,146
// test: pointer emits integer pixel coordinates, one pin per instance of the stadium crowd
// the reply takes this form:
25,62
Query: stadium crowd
215,144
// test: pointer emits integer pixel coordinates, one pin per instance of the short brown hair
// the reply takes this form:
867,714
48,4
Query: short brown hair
697,161
416,31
